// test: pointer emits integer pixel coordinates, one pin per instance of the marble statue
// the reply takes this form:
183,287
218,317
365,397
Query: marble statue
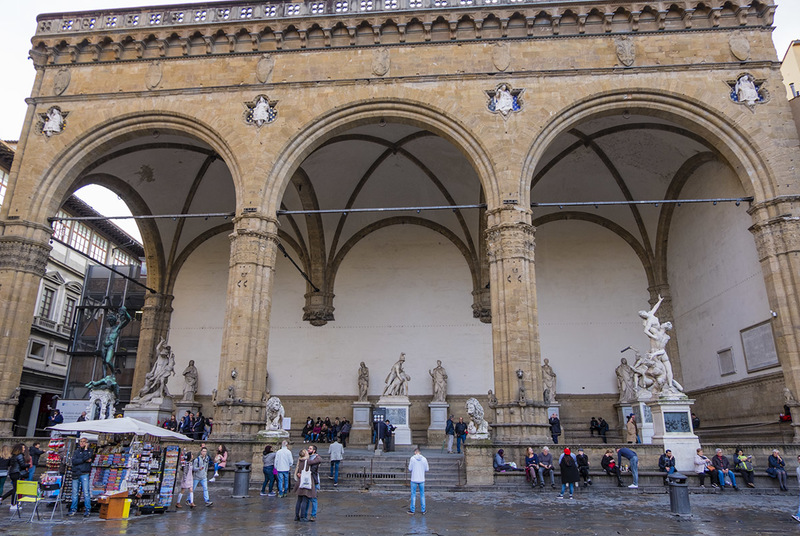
492,399
478,428
788,397
439,377
503,100
397,380
54,122
662,376
190,382
626,383
363,382
155,381
116,323
548,382
746,91
275,413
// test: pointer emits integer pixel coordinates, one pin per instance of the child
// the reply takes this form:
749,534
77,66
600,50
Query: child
186,481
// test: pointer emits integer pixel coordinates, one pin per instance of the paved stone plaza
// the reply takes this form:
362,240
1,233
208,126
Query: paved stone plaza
351,512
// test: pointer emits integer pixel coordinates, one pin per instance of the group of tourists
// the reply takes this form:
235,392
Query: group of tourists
17,462
197,426
325,430
457,431
722,472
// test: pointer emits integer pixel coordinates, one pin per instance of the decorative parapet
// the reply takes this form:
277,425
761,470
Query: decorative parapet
217,28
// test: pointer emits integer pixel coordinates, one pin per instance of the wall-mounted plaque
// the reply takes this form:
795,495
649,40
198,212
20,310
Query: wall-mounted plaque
758,343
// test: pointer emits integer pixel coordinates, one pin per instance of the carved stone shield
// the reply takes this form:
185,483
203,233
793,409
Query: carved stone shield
626,50
381,61
61,81
264,69
501,56
740,46
154,75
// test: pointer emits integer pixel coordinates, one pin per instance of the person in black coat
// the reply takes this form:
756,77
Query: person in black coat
35,453
555,427
81,468
569,472
17,470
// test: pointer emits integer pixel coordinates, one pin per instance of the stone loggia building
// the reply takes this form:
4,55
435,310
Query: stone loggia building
505,115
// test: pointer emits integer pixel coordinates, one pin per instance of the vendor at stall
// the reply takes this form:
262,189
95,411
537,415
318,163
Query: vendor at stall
81,468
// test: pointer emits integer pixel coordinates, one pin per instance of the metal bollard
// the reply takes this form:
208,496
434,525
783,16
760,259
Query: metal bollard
241,480
679,494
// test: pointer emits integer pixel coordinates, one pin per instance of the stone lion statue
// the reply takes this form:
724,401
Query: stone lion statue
275,413
478,427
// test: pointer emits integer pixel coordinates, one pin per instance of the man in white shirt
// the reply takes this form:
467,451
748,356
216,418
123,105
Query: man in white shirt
283,464
417,466
336,453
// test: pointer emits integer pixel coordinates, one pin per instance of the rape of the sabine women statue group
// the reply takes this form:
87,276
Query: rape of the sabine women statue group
651,374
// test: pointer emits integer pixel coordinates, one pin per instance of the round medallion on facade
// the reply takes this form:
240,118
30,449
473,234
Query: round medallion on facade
260,111
61,81
52,122
380,61
504,100
154,75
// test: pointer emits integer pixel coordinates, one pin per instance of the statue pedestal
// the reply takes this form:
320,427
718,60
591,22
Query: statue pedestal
183,406
397,409
101,404
274,437
154,411
672,424
644,419
438,422
361,427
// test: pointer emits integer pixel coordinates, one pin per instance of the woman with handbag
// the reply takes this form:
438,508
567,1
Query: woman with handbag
268,459
304,487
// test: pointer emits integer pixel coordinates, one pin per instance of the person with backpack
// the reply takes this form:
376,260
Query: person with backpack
200,474
569,472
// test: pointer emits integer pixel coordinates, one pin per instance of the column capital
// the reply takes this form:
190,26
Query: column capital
23,255
510,240
779,235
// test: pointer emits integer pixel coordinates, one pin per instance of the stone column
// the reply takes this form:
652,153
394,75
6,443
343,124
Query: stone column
156,316
239,410
515,332
777,237
24,250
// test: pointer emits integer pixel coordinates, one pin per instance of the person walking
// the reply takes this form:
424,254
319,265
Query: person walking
268,461
200,474
417,466
314,460
81,467
569,472
283,464
450,433
187,481
633,460
461,433
336,454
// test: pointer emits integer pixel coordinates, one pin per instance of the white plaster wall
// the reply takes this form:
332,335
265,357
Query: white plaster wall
199,313
716,282
401,289
590,285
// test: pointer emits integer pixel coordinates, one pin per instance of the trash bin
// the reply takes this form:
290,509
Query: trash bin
241,480
679,494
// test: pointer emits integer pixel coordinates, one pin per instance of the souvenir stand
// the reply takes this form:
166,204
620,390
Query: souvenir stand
129,458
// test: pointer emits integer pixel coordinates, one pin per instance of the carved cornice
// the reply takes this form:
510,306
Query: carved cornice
203,29
23,255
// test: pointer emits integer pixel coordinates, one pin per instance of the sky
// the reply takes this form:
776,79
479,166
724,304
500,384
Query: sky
18,25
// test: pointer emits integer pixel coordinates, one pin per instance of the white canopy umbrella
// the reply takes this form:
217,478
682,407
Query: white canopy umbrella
123,425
